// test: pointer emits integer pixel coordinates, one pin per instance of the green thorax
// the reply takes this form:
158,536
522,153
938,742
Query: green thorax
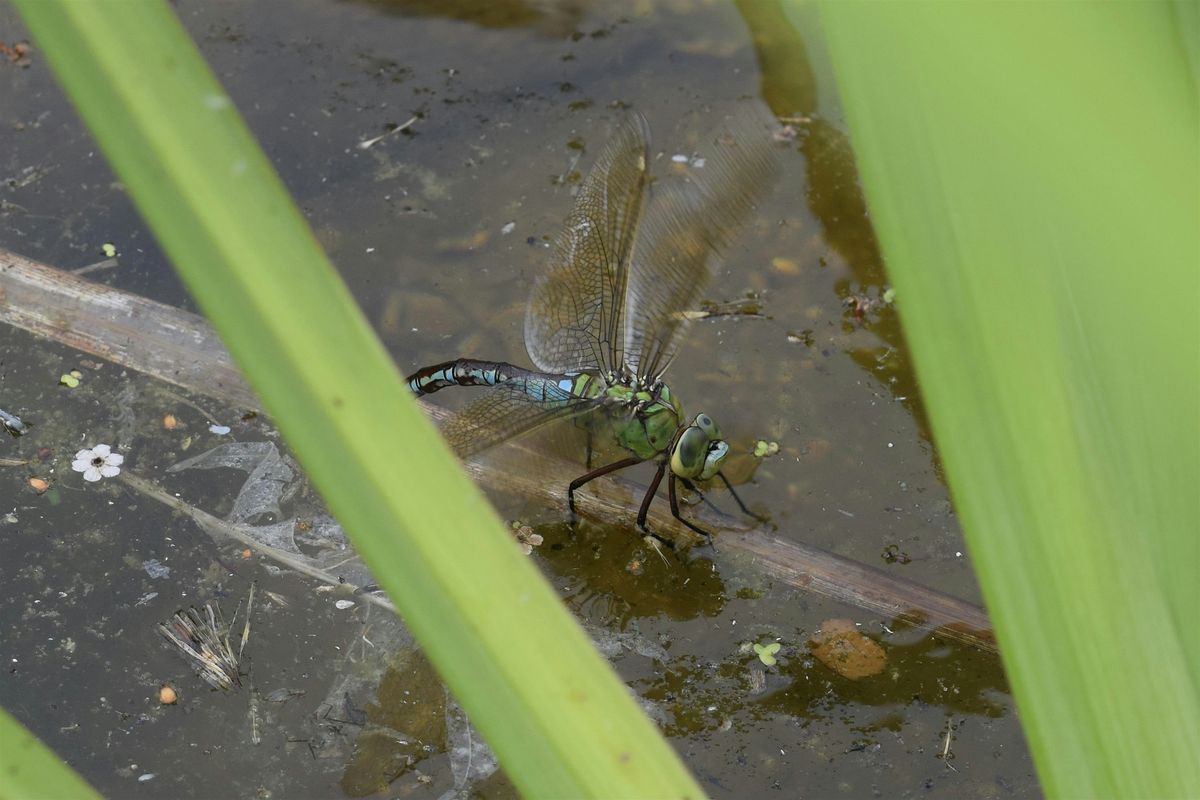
644,432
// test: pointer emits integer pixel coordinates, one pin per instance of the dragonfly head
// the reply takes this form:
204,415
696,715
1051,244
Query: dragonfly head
699,451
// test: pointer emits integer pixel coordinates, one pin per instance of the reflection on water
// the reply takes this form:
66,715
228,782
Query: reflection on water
614,578
834,195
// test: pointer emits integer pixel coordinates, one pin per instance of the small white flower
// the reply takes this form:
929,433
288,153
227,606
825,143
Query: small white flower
99,462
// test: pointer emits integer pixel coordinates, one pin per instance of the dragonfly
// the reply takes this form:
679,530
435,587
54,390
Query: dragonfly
606,319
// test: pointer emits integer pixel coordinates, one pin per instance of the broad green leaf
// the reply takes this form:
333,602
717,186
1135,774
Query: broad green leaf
1033,171
555,714
30,770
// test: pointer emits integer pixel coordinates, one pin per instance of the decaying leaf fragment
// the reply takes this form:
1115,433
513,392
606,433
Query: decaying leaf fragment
842,647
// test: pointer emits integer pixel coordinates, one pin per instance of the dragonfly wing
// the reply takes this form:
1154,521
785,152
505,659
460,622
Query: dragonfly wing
685,229
573,322
503,413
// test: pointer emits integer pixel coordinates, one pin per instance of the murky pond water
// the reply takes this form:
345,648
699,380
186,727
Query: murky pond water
439,229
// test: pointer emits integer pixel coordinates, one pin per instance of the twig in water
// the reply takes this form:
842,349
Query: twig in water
946,749
105,264
370,142
211,419
246,630
255,718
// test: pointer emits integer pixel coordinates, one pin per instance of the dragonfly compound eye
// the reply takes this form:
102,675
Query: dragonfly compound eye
705,423
691,452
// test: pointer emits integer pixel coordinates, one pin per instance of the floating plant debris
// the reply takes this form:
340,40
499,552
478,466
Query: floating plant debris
13,424
766,653
202,636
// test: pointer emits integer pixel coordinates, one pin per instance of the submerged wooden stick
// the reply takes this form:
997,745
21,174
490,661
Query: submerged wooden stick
157,339
181,348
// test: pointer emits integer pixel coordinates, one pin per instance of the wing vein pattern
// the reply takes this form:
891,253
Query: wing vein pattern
507,411
574,320
685,229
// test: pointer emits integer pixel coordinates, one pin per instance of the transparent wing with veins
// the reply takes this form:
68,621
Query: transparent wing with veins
503,413
574,320
684,231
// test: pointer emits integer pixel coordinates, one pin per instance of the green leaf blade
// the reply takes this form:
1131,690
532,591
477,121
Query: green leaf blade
1039,217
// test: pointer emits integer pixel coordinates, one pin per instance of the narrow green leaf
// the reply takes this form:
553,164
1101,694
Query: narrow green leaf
1032,171
558,719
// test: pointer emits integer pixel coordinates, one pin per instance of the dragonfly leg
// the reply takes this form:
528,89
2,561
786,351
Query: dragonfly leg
644,509
596,473
694,489
675,509
741,505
